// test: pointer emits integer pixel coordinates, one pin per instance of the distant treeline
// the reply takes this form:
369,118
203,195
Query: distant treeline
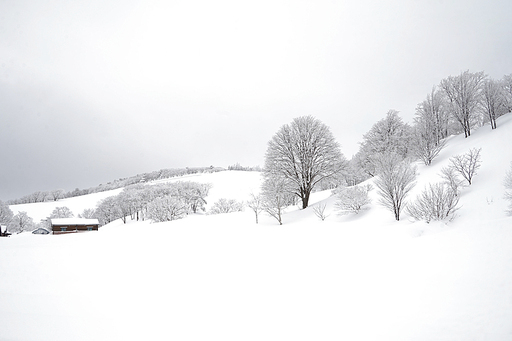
54,195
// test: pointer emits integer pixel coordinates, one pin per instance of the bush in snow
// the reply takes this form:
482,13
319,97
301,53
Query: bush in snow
352,199
508,186
437,202
226,206
166,208
320,211
467,164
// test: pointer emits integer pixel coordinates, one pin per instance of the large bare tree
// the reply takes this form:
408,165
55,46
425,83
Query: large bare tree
494,103
304,153
463,93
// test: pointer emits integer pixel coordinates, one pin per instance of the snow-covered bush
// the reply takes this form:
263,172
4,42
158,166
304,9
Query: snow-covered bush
226,206
166,208
436,202
467,164
508,187
21,222
352,199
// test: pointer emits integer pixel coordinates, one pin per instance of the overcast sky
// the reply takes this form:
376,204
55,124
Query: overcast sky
94,90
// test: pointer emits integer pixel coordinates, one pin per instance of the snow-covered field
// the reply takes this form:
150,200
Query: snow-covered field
222,277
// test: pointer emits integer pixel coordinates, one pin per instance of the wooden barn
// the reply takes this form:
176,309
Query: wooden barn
70,225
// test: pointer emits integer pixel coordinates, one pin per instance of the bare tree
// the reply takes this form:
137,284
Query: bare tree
467,164
256,204
450,178
493,101
352,199
436,202
304,153
108,210
395,180
88,213
463,93
5,215
319,211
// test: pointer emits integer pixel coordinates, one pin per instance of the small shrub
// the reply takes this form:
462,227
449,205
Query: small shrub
437,202
352,199
320,211
226,206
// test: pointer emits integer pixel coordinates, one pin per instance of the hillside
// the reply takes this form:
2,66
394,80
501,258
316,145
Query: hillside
353,277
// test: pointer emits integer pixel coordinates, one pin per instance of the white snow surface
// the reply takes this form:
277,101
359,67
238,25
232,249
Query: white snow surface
223,277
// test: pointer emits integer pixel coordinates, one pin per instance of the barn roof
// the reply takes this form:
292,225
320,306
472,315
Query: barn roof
73,221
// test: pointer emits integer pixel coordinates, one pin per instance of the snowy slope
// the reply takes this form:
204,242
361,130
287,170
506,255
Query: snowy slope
355,277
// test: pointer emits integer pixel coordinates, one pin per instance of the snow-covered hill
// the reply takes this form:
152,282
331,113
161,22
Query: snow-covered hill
222,277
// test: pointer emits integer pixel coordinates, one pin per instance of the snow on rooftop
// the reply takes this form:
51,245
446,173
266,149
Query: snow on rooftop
74,221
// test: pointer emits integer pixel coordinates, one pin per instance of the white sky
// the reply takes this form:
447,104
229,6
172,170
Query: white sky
91,91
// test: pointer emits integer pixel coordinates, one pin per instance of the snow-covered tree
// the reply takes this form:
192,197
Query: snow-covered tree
21,222
352,199
467,164
303,153
436,202
277,193
451,178
494,103
464,96
508,186
256,205
61,212
88,213
389,135
56,194
226,206
166,208
5,214
507,90
395,180
108,210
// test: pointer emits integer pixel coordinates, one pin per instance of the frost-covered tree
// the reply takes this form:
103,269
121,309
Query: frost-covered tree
467,164
256,205
352,199
166,208
508,187
303,153
88,213
507,91
21,222
56,194
464,96
108,210
451,178
436,202
430,127
226,206
389,135
61,212
277,194
395,180
5,214
494,103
